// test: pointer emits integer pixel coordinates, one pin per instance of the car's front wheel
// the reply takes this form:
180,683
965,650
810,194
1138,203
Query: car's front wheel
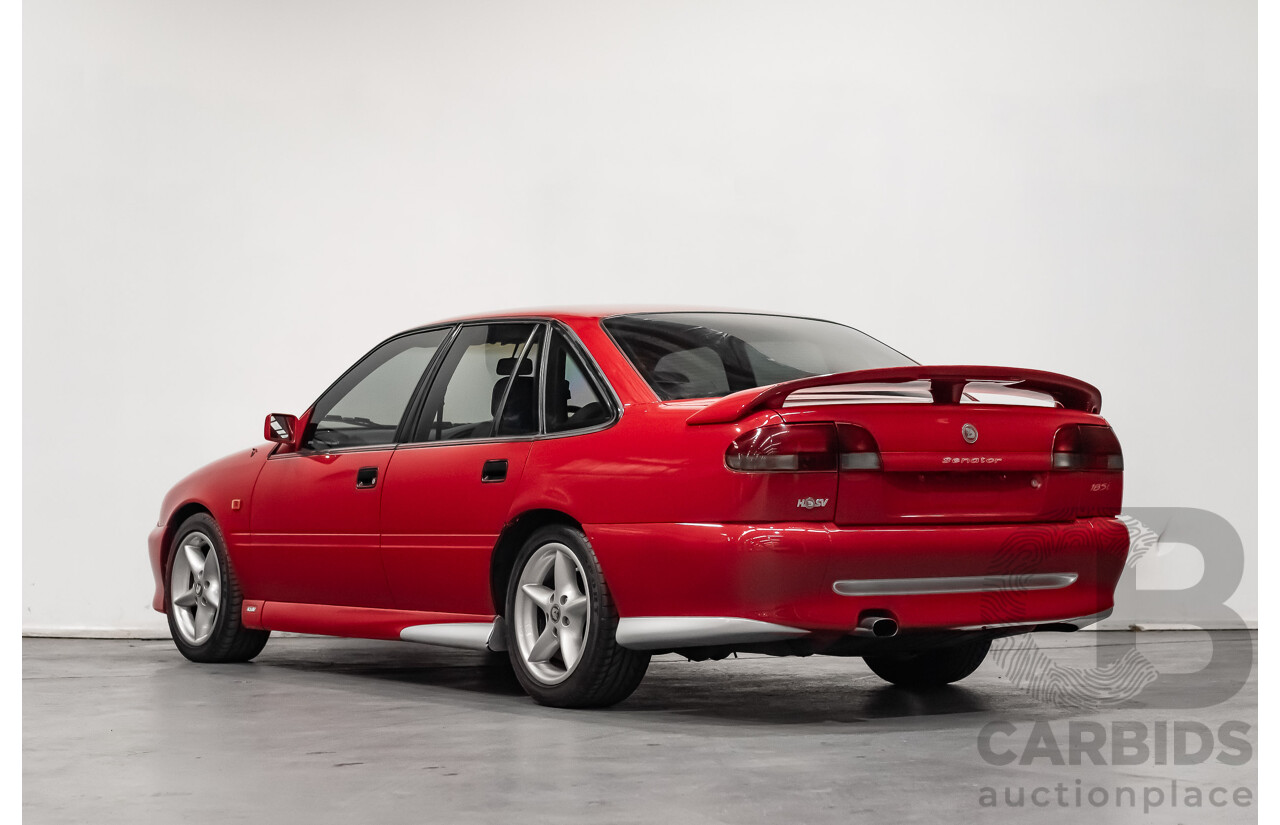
204,597
561,623
930,668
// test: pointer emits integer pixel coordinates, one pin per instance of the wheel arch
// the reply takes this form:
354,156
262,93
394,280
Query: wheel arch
181,514
510,540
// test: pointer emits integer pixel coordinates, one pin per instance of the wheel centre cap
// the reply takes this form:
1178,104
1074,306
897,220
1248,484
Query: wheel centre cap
555,613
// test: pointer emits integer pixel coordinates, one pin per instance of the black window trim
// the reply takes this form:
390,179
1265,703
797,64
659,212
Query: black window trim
410,421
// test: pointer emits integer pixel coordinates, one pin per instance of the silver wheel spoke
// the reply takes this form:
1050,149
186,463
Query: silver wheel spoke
539,595
187,599
545,647
570,644
213,579
566,576
195,561
204,621
575,609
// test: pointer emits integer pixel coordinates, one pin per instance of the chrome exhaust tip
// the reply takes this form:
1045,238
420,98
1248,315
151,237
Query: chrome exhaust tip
877,626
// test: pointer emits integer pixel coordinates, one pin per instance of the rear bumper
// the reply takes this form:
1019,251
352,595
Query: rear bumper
806,579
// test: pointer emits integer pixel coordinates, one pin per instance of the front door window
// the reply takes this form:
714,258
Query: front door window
365,407
487,386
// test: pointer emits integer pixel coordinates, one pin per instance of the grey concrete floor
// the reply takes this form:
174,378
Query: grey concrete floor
328,730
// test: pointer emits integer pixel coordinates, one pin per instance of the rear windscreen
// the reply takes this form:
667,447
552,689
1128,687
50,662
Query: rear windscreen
712,354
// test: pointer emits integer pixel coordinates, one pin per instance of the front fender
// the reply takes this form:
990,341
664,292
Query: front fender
224,489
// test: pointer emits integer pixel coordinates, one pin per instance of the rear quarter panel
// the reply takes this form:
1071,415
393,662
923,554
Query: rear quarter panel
652,467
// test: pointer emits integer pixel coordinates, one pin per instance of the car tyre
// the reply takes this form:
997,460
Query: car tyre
930,668
561,625
203,598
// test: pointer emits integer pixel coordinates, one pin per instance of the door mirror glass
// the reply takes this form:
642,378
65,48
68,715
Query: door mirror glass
280,428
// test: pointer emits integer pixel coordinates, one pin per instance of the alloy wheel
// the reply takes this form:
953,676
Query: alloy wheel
195,588
552,613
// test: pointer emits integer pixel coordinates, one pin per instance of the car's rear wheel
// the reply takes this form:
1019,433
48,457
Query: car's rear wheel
561,622
930,668
203,599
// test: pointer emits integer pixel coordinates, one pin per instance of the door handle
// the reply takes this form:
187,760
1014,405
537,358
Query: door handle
366,477
495,469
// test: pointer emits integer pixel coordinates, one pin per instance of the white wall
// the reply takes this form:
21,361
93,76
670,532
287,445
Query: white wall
227,203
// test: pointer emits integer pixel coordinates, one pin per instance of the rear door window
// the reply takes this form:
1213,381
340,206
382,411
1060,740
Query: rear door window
487,385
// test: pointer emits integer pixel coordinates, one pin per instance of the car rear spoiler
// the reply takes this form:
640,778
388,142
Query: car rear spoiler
946,385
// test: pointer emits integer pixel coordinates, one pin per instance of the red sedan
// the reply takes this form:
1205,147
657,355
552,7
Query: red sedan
585,489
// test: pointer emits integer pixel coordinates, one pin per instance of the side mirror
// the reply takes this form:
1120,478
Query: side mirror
280,428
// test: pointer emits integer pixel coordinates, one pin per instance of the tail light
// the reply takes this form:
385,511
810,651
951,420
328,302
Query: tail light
803,448
858,450
1086,447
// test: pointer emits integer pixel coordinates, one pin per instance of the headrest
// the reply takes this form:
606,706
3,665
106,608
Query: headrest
521,396
506,365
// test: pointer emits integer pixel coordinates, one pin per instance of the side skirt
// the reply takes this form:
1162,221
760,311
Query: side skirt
466,631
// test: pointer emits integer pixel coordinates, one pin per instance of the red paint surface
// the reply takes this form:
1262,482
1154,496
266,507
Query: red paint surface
784,572
440,523
357,622
676,531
